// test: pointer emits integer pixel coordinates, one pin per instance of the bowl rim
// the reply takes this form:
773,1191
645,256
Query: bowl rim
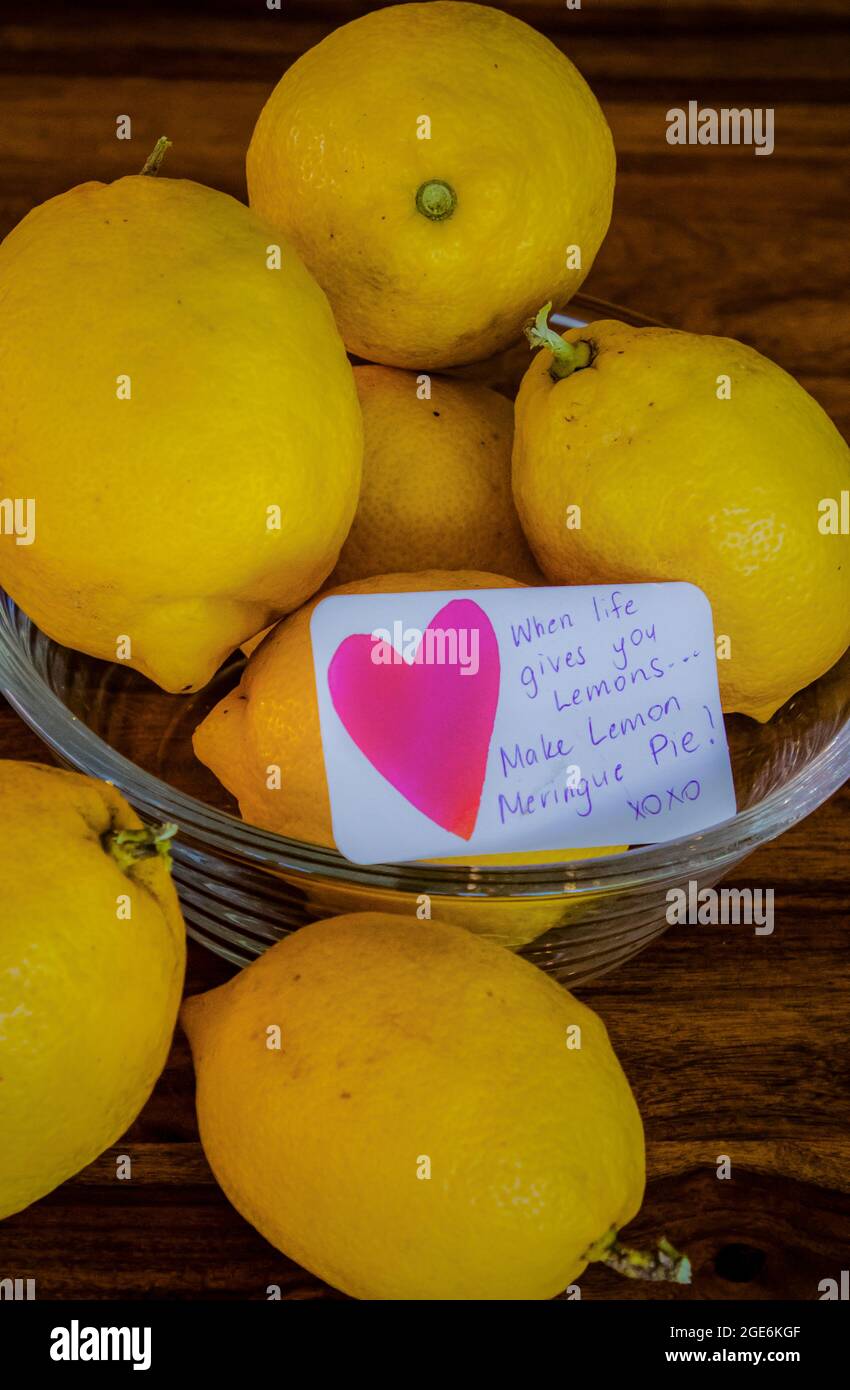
205,828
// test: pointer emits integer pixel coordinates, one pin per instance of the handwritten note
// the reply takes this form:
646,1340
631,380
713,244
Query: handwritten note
500,720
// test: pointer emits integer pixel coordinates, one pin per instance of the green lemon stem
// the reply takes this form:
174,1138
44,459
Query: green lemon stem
566,357
436,200
127,847
662,1264
156,156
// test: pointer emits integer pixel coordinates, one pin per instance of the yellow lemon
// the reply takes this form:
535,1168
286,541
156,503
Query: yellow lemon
184,416
691,458
440,1120
436,489
272,719
443,169
92,953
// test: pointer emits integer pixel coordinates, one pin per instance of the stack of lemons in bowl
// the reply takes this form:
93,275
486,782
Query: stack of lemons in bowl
203,455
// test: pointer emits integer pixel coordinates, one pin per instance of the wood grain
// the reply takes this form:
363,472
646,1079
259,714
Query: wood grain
736,1045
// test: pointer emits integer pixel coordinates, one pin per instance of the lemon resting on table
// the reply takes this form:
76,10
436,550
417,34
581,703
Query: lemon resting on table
413,1113
92,953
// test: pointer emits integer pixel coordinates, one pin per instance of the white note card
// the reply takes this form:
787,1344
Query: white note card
487,721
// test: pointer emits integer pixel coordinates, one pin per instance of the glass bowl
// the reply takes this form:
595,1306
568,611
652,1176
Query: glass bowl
243,888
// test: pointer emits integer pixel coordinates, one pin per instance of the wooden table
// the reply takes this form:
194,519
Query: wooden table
736,1044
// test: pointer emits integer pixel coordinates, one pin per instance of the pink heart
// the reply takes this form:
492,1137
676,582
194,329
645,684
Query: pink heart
425,727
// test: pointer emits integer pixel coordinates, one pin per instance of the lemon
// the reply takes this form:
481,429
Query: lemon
691,458
272,720
436,489
438,1120
436,219
184,416
92,953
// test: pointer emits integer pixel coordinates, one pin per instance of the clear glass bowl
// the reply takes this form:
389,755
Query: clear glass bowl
243,888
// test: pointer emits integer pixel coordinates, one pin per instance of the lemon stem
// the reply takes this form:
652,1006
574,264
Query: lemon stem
127,847
436,200
662,1264
566,357
156,156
